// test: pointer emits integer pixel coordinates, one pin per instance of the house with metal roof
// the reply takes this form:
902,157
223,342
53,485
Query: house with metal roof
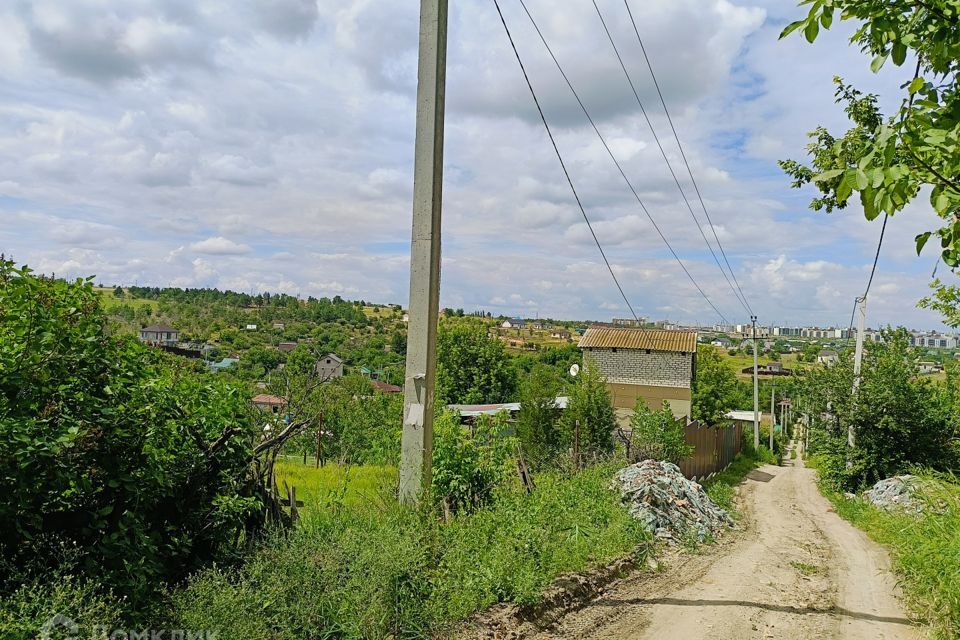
159,334
654,364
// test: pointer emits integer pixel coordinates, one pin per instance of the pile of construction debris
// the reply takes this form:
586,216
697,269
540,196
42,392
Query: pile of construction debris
896,493
671,506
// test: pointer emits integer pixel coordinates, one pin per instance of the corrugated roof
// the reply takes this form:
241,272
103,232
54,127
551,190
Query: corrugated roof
266,398
652,339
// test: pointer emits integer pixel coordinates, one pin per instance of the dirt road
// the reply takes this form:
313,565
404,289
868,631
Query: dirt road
796,570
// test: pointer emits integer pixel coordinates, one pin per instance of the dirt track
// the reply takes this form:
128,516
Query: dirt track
796,570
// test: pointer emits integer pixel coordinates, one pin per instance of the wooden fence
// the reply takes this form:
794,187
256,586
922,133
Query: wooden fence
714,448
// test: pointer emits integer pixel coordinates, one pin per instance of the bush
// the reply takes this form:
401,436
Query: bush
378,572
658,435
134,462
468,467
33,607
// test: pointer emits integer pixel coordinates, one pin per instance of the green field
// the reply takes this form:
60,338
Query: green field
109,299
338,484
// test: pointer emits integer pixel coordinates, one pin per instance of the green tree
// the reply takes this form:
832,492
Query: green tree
590,405
715,388
121,453
657,435
536,426
118,292
899,419
471,366
887,161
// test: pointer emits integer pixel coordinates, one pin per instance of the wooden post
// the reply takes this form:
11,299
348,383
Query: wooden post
320,441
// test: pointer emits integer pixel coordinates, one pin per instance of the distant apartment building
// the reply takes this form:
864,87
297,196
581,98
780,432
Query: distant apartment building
933,339
629,322
655,365
786,332
830,333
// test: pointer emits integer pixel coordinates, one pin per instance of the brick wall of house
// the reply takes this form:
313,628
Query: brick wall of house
634,366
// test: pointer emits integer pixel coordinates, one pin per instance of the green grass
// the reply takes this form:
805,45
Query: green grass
925,549
379,570
346,485
722,487
806,569
110,300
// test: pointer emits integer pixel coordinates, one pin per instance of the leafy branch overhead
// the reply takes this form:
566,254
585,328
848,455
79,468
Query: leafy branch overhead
888,160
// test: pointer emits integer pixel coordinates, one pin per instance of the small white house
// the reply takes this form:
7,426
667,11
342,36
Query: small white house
251,327
513,323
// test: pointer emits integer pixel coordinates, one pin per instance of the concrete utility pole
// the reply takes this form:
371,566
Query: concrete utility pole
756,389
857,360
773,414
417,441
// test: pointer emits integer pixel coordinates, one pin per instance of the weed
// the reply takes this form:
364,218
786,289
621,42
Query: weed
806,569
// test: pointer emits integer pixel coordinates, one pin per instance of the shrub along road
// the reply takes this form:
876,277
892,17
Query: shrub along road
794,570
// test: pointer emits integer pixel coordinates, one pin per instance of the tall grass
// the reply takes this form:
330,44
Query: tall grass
925,548
378,570
344,484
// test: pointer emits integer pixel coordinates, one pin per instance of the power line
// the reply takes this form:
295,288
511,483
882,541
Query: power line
873,270
666,159
683,155
562,163
609,152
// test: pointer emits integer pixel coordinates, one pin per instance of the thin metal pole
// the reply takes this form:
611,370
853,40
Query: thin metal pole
756,390
417,440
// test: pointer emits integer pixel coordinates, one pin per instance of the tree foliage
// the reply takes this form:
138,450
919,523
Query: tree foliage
536,428
472,368
899,419
715,387
887,160
590,406
657,435
125,456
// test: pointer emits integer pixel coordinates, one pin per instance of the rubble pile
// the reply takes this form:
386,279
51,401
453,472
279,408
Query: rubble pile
895,494
671,506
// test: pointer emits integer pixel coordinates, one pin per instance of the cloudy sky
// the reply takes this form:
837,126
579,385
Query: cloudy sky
267,145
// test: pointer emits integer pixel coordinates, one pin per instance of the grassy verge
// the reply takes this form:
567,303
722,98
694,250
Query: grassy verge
376,571
721,487
925,549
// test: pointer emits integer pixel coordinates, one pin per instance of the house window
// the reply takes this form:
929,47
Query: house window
614,350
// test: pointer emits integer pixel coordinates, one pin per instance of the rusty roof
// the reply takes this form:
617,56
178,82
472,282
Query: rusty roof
266,398
652,339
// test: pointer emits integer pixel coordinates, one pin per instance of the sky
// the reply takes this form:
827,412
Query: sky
267,145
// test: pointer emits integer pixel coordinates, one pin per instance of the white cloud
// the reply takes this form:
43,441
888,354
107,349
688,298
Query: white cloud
150,134
219,246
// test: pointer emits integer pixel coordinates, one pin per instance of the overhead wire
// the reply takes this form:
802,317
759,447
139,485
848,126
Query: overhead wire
873,270
683,155
666,159
603,141
563,165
